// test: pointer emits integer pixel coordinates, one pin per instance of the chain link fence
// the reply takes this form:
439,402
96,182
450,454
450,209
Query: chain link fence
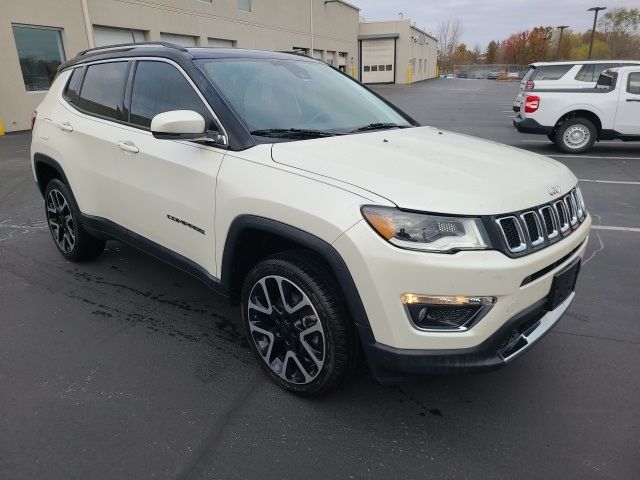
504,70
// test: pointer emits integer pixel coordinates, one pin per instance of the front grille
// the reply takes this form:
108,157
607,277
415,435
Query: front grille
535,228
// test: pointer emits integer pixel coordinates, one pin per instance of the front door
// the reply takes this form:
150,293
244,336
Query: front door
628,114
168,185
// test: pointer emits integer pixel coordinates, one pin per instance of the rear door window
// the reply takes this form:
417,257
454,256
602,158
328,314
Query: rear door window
159,87
103,90
550,72
633,85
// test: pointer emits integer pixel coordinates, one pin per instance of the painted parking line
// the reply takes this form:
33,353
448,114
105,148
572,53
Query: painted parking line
547,141
606,157
615,182
615,229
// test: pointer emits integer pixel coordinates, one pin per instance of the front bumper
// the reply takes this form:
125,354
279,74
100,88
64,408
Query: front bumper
513,339
529,125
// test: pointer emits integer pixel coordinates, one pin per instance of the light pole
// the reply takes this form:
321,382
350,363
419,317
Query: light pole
561,27
595,11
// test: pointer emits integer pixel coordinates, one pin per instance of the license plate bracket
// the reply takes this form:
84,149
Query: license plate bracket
564,282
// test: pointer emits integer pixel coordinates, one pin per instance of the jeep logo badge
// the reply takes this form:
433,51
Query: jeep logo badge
553,190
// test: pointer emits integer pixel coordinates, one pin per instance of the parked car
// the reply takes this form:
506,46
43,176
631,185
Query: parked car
451,75
575,119
332,218
478,76
493,75
513,75
463,75
560,75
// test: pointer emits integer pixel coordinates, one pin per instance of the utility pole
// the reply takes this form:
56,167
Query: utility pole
561,27
595,10
311,24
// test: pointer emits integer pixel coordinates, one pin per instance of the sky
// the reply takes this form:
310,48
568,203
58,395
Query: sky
486,20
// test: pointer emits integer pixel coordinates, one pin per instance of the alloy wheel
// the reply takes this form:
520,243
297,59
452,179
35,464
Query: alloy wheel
286,329
60,221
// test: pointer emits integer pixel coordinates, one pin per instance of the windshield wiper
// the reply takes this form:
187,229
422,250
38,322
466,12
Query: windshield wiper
292,133
378,126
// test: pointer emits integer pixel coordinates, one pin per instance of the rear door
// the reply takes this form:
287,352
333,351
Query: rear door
628,114
88,126
169,185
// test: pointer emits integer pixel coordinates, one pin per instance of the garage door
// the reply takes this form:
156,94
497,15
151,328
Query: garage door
378,60
182,40
221,43
103,36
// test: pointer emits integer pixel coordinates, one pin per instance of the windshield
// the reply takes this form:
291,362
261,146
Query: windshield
283,95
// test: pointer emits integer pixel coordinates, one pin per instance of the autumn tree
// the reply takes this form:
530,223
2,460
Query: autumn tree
539,44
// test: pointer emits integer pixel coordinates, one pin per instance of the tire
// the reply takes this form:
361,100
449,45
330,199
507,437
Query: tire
552,137
576,135
311,363
63,218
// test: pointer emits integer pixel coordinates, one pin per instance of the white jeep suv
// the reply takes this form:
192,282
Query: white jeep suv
334,219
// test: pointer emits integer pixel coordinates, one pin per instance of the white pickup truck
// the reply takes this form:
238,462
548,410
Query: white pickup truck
576,118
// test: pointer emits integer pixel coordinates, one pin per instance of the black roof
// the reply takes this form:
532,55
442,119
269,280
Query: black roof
173,51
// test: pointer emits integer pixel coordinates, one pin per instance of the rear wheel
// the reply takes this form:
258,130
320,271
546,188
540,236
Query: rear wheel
297,324
63,218
576,135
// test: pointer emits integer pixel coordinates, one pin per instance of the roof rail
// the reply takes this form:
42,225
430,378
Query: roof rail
129,46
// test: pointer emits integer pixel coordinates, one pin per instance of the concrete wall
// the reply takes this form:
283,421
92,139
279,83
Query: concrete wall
271,25
413,45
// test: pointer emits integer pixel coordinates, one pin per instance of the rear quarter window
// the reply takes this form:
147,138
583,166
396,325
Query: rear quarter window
72,90
591,73
103,89
550,72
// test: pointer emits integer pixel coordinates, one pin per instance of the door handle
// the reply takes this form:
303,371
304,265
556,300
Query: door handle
65,126
127,146
633,99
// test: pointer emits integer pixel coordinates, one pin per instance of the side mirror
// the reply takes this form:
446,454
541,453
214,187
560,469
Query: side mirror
178,125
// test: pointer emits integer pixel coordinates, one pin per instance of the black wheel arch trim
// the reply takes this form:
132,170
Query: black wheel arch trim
325,250
40,158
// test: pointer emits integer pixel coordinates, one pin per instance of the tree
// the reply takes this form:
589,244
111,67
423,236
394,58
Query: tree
514,48
449,35
620,27
539,44
491,55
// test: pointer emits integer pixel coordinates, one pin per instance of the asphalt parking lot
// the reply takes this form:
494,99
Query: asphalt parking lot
126,368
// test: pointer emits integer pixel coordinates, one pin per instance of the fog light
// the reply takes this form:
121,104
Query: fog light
453,313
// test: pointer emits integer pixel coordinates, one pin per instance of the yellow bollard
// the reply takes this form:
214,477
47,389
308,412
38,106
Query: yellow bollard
1,128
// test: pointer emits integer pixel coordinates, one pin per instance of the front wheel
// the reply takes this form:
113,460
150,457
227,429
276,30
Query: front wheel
297,325
576,135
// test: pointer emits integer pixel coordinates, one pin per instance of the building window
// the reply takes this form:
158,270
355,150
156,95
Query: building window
244,5
389,68
374,68
40,52
367,68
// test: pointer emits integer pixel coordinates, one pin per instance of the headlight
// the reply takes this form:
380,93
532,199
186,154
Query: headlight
433,233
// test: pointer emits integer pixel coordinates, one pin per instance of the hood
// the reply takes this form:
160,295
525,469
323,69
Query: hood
432,170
